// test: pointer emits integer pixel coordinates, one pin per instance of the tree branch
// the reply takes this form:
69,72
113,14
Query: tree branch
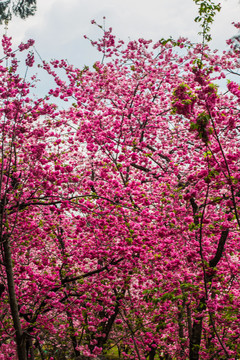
214,261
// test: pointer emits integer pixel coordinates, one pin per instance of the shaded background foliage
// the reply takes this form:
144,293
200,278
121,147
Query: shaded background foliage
21,8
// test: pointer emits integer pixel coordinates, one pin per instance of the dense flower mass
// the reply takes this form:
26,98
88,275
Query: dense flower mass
120,214
234,89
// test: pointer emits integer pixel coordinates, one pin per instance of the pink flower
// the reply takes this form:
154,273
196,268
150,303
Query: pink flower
30,59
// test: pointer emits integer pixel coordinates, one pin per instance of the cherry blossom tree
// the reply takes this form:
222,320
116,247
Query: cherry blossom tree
120,214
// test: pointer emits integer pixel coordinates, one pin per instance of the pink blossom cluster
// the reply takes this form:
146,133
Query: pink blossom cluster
27,45
30,59
6,45
234,88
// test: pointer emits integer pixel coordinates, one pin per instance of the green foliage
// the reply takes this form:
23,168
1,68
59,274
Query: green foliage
206,12
96,67
200,126
170,40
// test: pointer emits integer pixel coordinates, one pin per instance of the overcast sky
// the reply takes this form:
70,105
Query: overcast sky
59,25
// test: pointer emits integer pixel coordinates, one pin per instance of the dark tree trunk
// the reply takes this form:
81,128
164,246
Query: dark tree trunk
181,309
195,339
20,338
152,354
73,337
29,347
196,333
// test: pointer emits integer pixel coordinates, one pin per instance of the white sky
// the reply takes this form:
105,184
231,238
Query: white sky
59,25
